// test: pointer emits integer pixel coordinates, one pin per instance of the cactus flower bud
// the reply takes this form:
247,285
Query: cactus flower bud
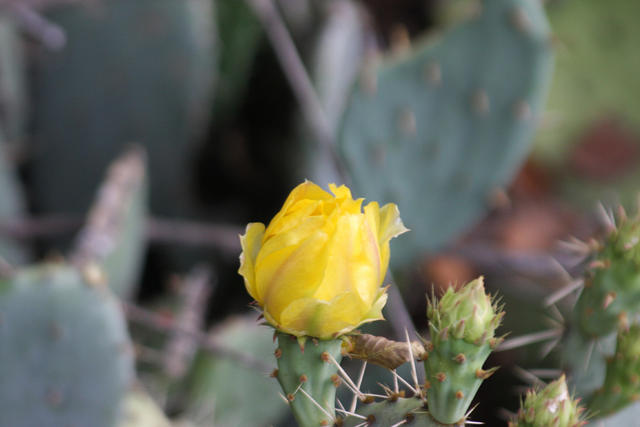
317,268
467,314
550,407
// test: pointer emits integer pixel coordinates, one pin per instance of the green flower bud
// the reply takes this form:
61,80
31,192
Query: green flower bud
467,313
550,407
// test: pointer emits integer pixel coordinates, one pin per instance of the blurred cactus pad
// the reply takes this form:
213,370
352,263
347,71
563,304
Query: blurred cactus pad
439,127
65,354
131,72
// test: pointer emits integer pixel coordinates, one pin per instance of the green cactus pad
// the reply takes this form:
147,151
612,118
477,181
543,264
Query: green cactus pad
220,390
612,281
65,355
131,72
392,411
462,326
622,381
550,407
451,118
307,366
114,236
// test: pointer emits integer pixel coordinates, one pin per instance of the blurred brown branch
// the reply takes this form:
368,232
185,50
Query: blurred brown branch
224,237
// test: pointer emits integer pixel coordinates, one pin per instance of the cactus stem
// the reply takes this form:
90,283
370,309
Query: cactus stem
319,406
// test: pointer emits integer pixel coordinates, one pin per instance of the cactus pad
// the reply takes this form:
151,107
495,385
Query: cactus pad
622,381
65,355
393,412
612,281
305,371
440,128
462,326
131,72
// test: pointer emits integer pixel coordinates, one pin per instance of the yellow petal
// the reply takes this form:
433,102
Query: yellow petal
299,212
353,261
305,191
291,273
323,319
390,223
251,243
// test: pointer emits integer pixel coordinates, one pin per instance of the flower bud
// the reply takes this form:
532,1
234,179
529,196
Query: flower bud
550,407
467,313
317,269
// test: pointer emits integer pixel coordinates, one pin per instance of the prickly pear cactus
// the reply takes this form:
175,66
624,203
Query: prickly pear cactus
221,389
622,381
65,355
131,72
454,117
309,377
462,326
114,234
612,281
393,411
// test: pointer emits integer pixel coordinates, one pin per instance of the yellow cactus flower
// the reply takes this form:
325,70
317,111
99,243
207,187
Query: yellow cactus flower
317,269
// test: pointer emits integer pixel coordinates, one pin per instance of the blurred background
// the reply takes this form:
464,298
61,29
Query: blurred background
232,103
